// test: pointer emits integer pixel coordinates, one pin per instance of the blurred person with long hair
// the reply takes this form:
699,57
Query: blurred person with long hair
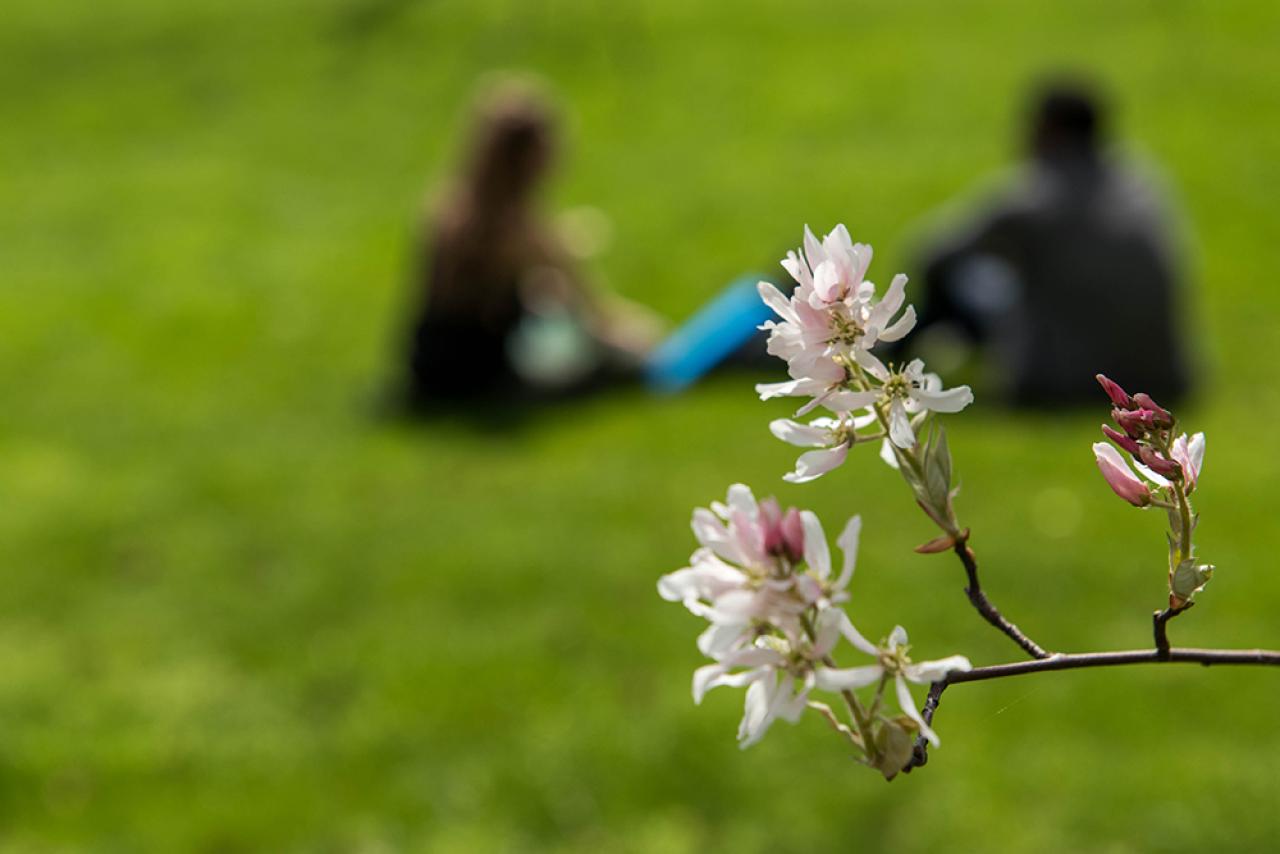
1071,270
503,310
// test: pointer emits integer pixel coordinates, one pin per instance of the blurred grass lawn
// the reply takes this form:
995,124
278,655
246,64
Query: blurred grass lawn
239,612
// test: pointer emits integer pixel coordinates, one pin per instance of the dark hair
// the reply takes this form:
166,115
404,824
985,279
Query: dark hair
1067,114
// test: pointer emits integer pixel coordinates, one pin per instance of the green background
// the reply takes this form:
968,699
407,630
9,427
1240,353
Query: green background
240,611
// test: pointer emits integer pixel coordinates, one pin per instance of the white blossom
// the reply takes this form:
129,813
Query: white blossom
832,437
892,661
908,391
831,316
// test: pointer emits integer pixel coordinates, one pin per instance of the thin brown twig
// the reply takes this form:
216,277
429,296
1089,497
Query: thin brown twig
1159,626
1079,661
985,607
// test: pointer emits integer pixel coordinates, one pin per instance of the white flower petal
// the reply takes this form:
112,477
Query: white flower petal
853,636
848,401
814,464
870,364
848,543
952,400
741,499
774,298
790,388
813,251
755,716
900,426
897,637
887,454
931,671
909,709
848,678
1149,474
816,551
900,329
811,435
721,638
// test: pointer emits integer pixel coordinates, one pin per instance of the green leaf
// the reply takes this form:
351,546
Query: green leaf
1190,578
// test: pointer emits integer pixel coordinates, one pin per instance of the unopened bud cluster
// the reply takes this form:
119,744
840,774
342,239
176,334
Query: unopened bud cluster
1165,472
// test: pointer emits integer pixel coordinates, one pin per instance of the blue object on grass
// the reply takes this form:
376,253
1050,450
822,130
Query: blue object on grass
716,332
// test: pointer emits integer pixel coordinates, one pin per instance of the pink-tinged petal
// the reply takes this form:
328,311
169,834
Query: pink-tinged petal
798,269
848,543
712,533
814,464
707,579
775,300
931,671
900,426
1189,456
847,678
909,709
887,454
826,283
952,400
1195,450
883,312
1119,476
864,253
813,250
816,551
838,243
810,435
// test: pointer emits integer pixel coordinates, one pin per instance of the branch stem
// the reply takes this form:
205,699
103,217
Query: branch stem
1159,626
1081,661
989,611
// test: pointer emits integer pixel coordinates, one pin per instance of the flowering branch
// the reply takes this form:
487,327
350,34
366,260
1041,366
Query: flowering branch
763,578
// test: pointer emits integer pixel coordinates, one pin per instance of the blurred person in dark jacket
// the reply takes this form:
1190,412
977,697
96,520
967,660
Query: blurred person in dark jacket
1071,271
502,308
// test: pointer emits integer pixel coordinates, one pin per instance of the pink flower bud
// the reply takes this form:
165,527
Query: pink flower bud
1119,476
1161,416
783,533
1118,396
1158,463
793,534
1136,422
1120,439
